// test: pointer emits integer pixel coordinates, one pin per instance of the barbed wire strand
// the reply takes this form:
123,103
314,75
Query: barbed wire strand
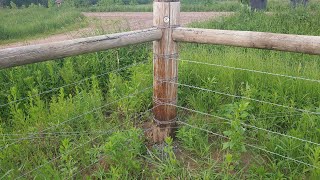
250,70
282,116
100,159
72,84
243,97
86,113
49,133
247,125
107,132
250,145
50,161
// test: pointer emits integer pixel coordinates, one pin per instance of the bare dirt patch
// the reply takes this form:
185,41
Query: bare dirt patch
109,22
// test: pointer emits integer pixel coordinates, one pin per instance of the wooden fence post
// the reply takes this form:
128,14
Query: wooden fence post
166,16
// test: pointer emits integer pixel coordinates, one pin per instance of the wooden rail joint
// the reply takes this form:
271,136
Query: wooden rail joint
166,15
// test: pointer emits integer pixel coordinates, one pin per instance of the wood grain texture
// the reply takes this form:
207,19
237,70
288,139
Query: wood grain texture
165,68
38,53
250,39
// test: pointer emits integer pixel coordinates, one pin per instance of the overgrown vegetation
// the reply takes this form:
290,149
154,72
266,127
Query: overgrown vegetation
20,24
92,128
186,6
192,5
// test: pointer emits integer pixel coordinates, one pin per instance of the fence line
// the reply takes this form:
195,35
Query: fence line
250,39
283,116
38,53
37,168
247,98
247,125
72,84
98,160
251,70
140,115
84,114
250,145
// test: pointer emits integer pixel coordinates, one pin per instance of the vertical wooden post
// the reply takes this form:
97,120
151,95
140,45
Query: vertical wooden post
166,15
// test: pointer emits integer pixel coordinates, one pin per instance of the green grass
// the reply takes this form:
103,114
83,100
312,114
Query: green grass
201,6
109,136
294,93
22,24
185,7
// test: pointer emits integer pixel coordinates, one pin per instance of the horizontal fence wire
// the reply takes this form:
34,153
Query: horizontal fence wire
106,132
251,70
247,125
44,135
282,116
244,97
73,84
250,145
84,114
100,159
58,157
103,133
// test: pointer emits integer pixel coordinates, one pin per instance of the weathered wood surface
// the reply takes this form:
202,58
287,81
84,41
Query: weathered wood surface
38,53
249,39
166,16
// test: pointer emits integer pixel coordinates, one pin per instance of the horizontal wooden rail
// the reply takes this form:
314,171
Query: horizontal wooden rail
249,39
38,53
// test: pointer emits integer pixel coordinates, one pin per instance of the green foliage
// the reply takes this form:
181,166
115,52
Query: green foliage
315,161
143,1
93,111
13,5
195,140
246,2
146,6
17,24
236,134
68,167
51,3
168,165
123,151
171,159
258,86
119,87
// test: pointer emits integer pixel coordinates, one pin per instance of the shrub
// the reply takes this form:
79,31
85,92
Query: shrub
128,145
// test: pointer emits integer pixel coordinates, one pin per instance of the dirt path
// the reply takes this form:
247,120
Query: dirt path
109,22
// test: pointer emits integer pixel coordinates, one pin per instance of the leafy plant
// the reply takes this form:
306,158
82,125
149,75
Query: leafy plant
195,140
128,145
236,134
68,165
